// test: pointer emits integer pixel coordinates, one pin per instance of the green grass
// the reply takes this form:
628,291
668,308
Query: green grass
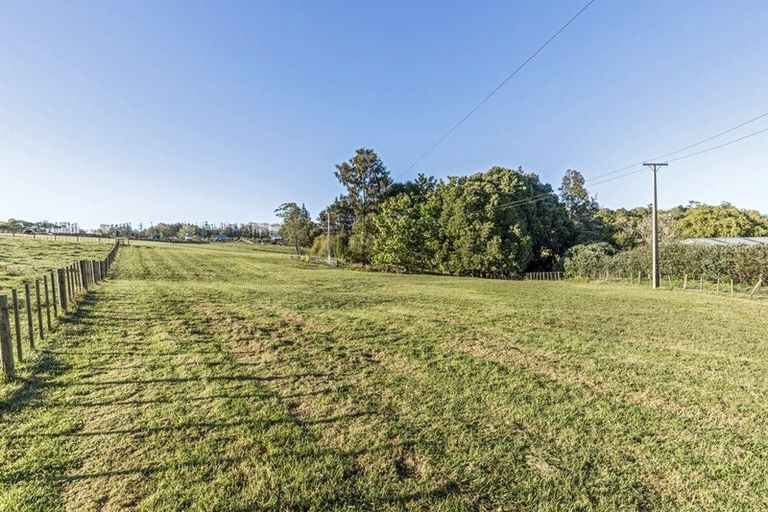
274,248
221,377
25,258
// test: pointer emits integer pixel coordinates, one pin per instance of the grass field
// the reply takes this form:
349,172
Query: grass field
24,257
221,377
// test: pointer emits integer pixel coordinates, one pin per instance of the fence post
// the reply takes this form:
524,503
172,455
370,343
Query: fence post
16,320
732,287
53,295
39,309
30,324
685,281
83,275
757,287
6,350
62,289
70,283
47,301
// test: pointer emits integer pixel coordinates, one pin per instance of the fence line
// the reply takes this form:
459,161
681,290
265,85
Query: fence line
703,283
72,283
543,276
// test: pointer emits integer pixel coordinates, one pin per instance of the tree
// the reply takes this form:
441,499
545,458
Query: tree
725,220
366,179
582,208
297,225
342,216
490,225
406,231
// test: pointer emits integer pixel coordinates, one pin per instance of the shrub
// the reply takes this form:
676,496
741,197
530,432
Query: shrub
742,263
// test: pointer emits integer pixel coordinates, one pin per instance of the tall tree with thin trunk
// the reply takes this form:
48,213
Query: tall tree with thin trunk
582,208
297,225
366,179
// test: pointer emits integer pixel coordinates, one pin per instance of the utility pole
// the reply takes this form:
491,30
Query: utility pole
655,272
328,236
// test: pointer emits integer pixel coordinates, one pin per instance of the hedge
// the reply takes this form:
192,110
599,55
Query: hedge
742,263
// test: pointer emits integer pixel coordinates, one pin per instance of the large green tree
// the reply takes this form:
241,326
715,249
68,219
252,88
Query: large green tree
499,223
367,180
406,226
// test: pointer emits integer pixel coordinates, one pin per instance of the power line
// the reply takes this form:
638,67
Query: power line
720,145
539,197
494,91
689,146
729,130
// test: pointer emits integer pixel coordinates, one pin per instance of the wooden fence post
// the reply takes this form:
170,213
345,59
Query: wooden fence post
62,289
30,324
67,287
70,283
6,350
47,301
39,309
757,287
17,321
83,275
53,295
685,281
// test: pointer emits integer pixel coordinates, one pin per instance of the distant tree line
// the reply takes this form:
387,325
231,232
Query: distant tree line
178,230
20,226
205,230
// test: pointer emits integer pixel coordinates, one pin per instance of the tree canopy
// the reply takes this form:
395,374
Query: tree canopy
367,180
296,228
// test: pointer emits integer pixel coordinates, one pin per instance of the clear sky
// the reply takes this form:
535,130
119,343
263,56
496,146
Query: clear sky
220,111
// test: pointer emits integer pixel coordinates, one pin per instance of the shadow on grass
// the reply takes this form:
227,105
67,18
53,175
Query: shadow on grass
346,498
199,427
183,400
150,354
206,378
45,370
49,365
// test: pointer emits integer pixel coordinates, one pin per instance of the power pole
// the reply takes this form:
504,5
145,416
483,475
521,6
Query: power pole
328,236
655,272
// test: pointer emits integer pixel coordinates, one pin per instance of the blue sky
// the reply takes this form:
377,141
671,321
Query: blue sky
220,111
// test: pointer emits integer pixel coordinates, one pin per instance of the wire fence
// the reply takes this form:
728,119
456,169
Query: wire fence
703,283
24,321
